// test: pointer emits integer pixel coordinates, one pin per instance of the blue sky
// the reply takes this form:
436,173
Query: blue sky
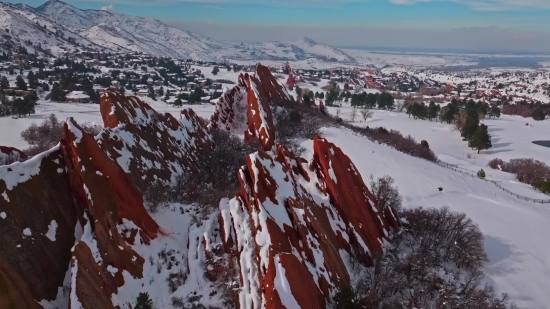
520,21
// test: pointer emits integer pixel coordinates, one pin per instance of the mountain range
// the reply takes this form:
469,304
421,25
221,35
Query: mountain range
103,30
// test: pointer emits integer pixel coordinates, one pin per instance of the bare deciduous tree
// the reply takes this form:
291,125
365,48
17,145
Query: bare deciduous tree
46,135
366,114
436,261
385,193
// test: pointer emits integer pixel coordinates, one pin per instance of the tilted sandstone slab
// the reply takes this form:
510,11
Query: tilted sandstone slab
293,230
12,154
250,101
150,146
67,218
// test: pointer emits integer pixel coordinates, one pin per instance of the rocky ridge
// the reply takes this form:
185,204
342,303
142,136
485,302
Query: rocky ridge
293,226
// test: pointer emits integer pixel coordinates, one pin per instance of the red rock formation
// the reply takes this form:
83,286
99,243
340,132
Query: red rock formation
70,194
258,91
304,220
150,146
12,154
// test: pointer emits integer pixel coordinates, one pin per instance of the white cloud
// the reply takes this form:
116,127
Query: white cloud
109,8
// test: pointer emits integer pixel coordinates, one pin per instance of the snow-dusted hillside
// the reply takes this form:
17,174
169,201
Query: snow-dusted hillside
71,17
131,33
37,33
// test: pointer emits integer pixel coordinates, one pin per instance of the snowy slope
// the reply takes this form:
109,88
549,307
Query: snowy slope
24,26
515,231
149,36
131,33
71,17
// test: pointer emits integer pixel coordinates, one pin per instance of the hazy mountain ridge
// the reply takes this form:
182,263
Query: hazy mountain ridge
125,33
36,33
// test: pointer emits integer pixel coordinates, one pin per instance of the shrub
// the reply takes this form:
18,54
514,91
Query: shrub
401,143
496,164
144,301
214,179
542,185
538,114
385,193
366,114
436,261
292,125
424,143
481,174
527,170
48,134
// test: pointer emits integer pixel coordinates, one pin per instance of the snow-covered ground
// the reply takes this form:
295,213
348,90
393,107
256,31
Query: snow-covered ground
83,113
515,231
511,139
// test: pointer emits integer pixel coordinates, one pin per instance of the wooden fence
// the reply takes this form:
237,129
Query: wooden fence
468,173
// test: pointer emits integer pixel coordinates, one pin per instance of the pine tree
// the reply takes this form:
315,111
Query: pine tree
152,93
32,80
470,128
481,174
144,301
4,83
481,139
20,83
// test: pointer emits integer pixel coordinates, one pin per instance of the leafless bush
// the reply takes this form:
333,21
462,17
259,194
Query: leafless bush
225,81
44,136
436,261
9,159
496,164
460,120
425,144
366,114
527,170
396,140
385,193
214,179
47,134
175,280
292,125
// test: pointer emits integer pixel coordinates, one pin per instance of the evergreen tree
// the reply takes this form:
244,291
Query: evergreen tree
161,91
122,90
144,301
481,139
20,83
298,92
4,83
33,81
178,102
470,128
432,111
494,112
215,70
151,93
57,94
481,174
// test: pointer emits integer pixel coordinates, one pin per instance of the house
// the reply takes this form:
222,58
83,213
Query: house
78,97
